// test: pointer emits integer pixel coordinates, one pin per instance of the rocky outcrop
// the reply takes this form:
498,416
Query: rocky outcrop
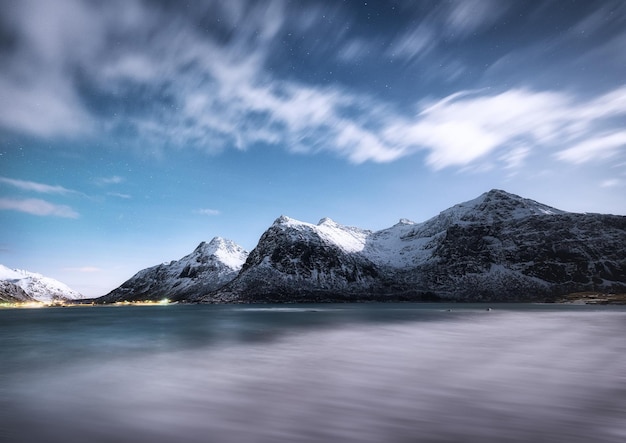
12,293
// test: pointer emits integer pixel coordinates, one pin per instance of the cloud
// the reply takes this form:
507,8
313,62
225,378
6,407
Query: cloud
174,84
38,81
466,16
611,183
37,207
36,187
119,195
207,211
467,126
113,180
413,43
515,158
599,148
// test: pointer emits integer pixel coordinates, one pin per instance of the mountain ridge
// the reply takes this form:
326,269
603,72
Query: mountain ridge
496,247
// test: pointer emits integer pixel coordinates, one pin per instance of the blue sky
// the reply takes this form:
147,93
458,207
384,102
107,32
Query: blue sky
132,130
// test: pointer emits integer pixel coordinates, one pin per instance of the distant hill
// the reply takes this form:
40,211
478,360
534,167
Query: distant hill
35,286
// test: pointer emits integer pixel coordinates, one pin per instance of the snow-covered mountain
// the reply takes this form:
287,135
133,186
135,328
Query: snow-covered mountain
498,246
295,260
207,268
36,286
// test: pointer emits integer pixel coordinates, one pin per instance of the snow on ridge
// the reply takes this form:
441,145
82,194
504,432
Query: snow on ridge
348,238
397,246
219,249
228,252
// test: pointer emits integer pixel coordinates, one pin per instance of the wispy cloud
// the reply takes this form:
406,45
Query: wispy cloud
37,207
611,183
119,195
207,211
595,149
113,180
37,187
468,126
211,89
466,16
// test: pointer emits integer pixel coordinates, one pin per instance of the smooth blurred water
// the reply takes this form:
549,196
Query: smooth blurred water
313,373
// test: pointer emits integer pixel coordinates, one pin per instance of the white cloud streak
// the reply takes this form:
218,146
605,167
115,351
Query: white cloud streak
36,187
466,16
600,148
113,180
464,127
37,207
120,195
611,183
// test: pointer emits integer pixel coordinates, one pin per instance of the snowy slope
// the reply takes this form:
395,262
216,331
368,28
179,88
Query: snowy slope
208,267
43,289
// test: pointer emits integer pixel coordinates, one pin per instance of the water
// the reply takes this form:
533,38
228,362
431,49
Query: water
313,373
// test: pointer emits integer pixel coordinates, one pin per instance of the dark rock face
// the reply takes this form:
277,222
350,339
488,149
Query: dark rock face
294,263
207,268
533,258
12,293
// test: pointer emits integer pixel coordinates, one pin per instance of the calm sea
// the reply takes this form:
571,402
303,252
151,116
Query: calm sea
314,373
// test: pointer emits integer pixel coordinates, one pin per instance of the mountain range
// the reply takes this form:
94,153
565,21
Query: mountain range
497,247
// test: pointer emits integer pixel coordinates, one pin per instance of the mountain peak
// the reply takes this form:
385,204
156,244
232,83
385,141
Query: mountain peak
327,221
282,220
497,205
219,242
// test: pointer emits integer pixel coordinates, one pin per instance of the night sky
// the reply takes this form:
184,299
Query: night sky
132,130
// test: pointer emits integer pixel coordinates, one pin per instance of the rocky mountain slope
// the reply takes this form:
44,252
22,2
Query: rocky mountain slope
36,287
497,247
12,293
207,268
